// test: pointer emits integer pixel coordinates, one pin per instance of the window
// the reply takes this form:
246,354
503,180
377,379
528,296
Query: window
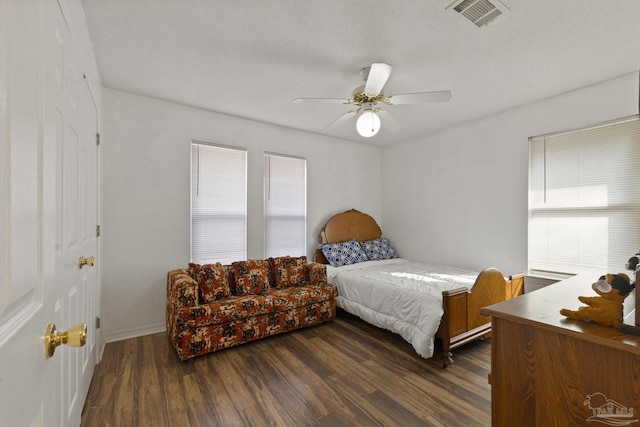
584,199
285,205
218,204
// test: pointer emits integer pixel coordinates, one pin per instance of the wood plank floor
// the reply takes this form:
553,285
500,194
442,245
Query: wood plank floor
343,373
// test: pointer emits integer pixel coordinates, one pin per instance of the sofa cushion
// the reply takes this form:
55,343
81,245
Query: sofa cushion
251,277
229,309
289,271
213,281
292,297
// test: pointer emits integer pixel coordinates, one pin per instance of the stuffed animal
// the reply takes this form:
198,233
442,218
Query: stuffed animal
634,263
606,308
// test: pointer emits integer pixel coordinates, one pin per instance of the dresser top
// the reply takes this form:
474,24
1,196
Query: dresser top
541,309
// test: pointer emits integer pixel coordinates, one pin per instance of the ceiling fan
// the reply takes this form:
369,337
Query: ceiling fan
370,99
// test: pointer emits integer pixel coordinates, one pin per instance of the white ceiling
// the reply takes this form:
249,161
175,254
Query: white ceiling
251,58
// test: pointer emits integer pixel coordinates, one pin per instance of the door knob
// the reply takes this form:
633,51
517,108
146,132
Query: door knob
86,261
76,336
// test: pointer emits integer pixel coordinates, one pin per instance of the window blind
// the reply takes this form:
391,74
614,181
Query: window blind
285,205
584,199
218,204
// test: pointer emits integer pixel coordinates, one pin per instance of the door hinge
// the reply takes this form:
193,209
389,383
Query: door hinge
97,231
98,138
97,323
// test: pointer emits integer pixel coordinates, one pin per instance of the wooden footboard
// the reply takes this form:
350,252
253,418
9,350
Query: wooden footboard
462,321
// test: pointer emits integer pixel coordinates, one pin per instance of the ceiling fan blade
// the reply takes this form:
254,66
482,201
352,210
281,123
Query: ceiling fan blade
321,101
340,120
378,75
420,97
388,123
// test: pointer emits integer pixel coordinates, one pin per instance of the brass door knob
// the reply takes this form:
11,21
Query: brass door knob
76,336
86,261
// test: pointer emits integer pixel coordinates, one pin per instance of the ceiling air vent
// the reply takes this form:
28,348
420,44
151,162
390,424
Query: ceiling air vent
480,12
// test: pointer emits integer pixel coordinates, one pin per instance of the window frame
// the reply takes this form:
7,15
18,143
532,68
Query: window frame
280,249
242,213
599,207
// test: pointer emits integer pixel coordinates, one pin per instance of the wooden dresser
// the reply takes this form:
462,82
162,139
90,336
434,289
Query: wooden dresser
548,370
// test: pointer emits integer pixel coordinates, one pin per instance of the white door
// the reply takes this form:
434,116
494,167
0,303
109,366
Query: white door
48,214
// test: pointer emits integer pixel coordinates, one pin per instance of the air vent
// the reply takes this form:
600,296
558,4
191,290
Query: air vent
480,12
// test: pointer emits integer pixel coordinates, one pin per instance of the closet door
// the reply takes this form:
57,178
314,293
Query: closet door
48,216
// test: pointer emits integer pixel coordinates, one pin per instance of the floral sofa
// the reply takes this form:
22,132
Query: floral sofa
212,307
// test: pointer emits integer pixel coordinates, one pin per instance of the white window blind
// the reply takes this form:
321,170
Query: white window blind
218,204
285,205
584,199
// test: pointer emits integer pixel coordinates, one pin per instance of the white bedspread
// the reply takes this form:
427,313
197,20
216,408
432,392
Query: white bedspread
398,295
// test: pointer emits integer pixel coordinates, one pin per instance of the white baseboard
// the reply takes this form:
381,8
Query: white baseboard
133,333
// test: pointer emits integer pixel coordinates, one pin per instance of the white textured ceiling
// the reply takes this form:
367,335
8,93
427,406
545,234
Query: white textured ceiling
251,58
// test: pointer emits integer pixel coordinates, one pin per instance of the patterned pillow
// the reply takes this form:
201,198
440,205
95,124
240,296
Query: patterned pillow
290,271
378,249
213,281
252,276
343,253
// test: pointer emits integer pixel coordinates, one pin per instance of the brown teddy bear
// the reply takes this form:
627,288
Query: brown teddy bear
605,309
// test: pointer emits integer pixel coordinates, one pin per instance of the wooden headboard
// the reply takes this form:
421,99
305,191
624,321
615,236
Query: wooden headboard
345,226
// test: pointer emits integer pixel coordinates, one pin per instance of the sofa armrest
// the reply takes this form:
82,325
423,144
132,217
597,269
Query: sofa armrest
182,289
317,274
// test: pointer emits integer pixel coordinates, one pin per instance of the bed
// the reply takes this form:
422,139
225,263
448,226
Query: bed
418,301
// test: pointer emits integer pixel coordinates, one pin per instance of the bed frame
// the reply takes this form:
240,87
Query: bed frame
461,322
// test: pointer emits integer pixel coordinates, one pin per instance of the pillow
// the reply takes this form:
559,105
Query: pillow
290,271
379,249
343,253
213,281
252,276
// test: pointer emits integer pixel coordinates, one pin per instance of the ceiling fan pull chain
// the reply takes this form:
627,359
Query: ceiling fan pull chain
373,126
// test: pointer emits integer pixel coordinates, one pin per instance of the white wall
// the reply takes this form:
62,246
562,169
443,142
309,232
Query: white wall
460,196
146,182
455,197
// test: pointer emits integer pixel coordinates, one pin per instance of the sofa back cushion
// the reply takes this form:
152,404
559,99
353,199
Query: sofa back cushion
251,277
213,281
289,271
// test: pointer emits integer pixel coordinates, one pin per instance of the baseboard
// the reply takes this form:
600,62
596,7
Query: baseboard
133,333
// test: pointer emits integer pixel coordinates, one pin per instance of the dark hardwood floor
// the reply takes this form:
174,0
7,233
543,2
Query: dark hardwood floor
342,373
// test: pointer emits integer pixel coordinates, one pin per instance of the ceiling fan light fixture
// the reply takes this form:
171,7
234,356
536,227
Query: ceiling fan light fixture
368,124
369,97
